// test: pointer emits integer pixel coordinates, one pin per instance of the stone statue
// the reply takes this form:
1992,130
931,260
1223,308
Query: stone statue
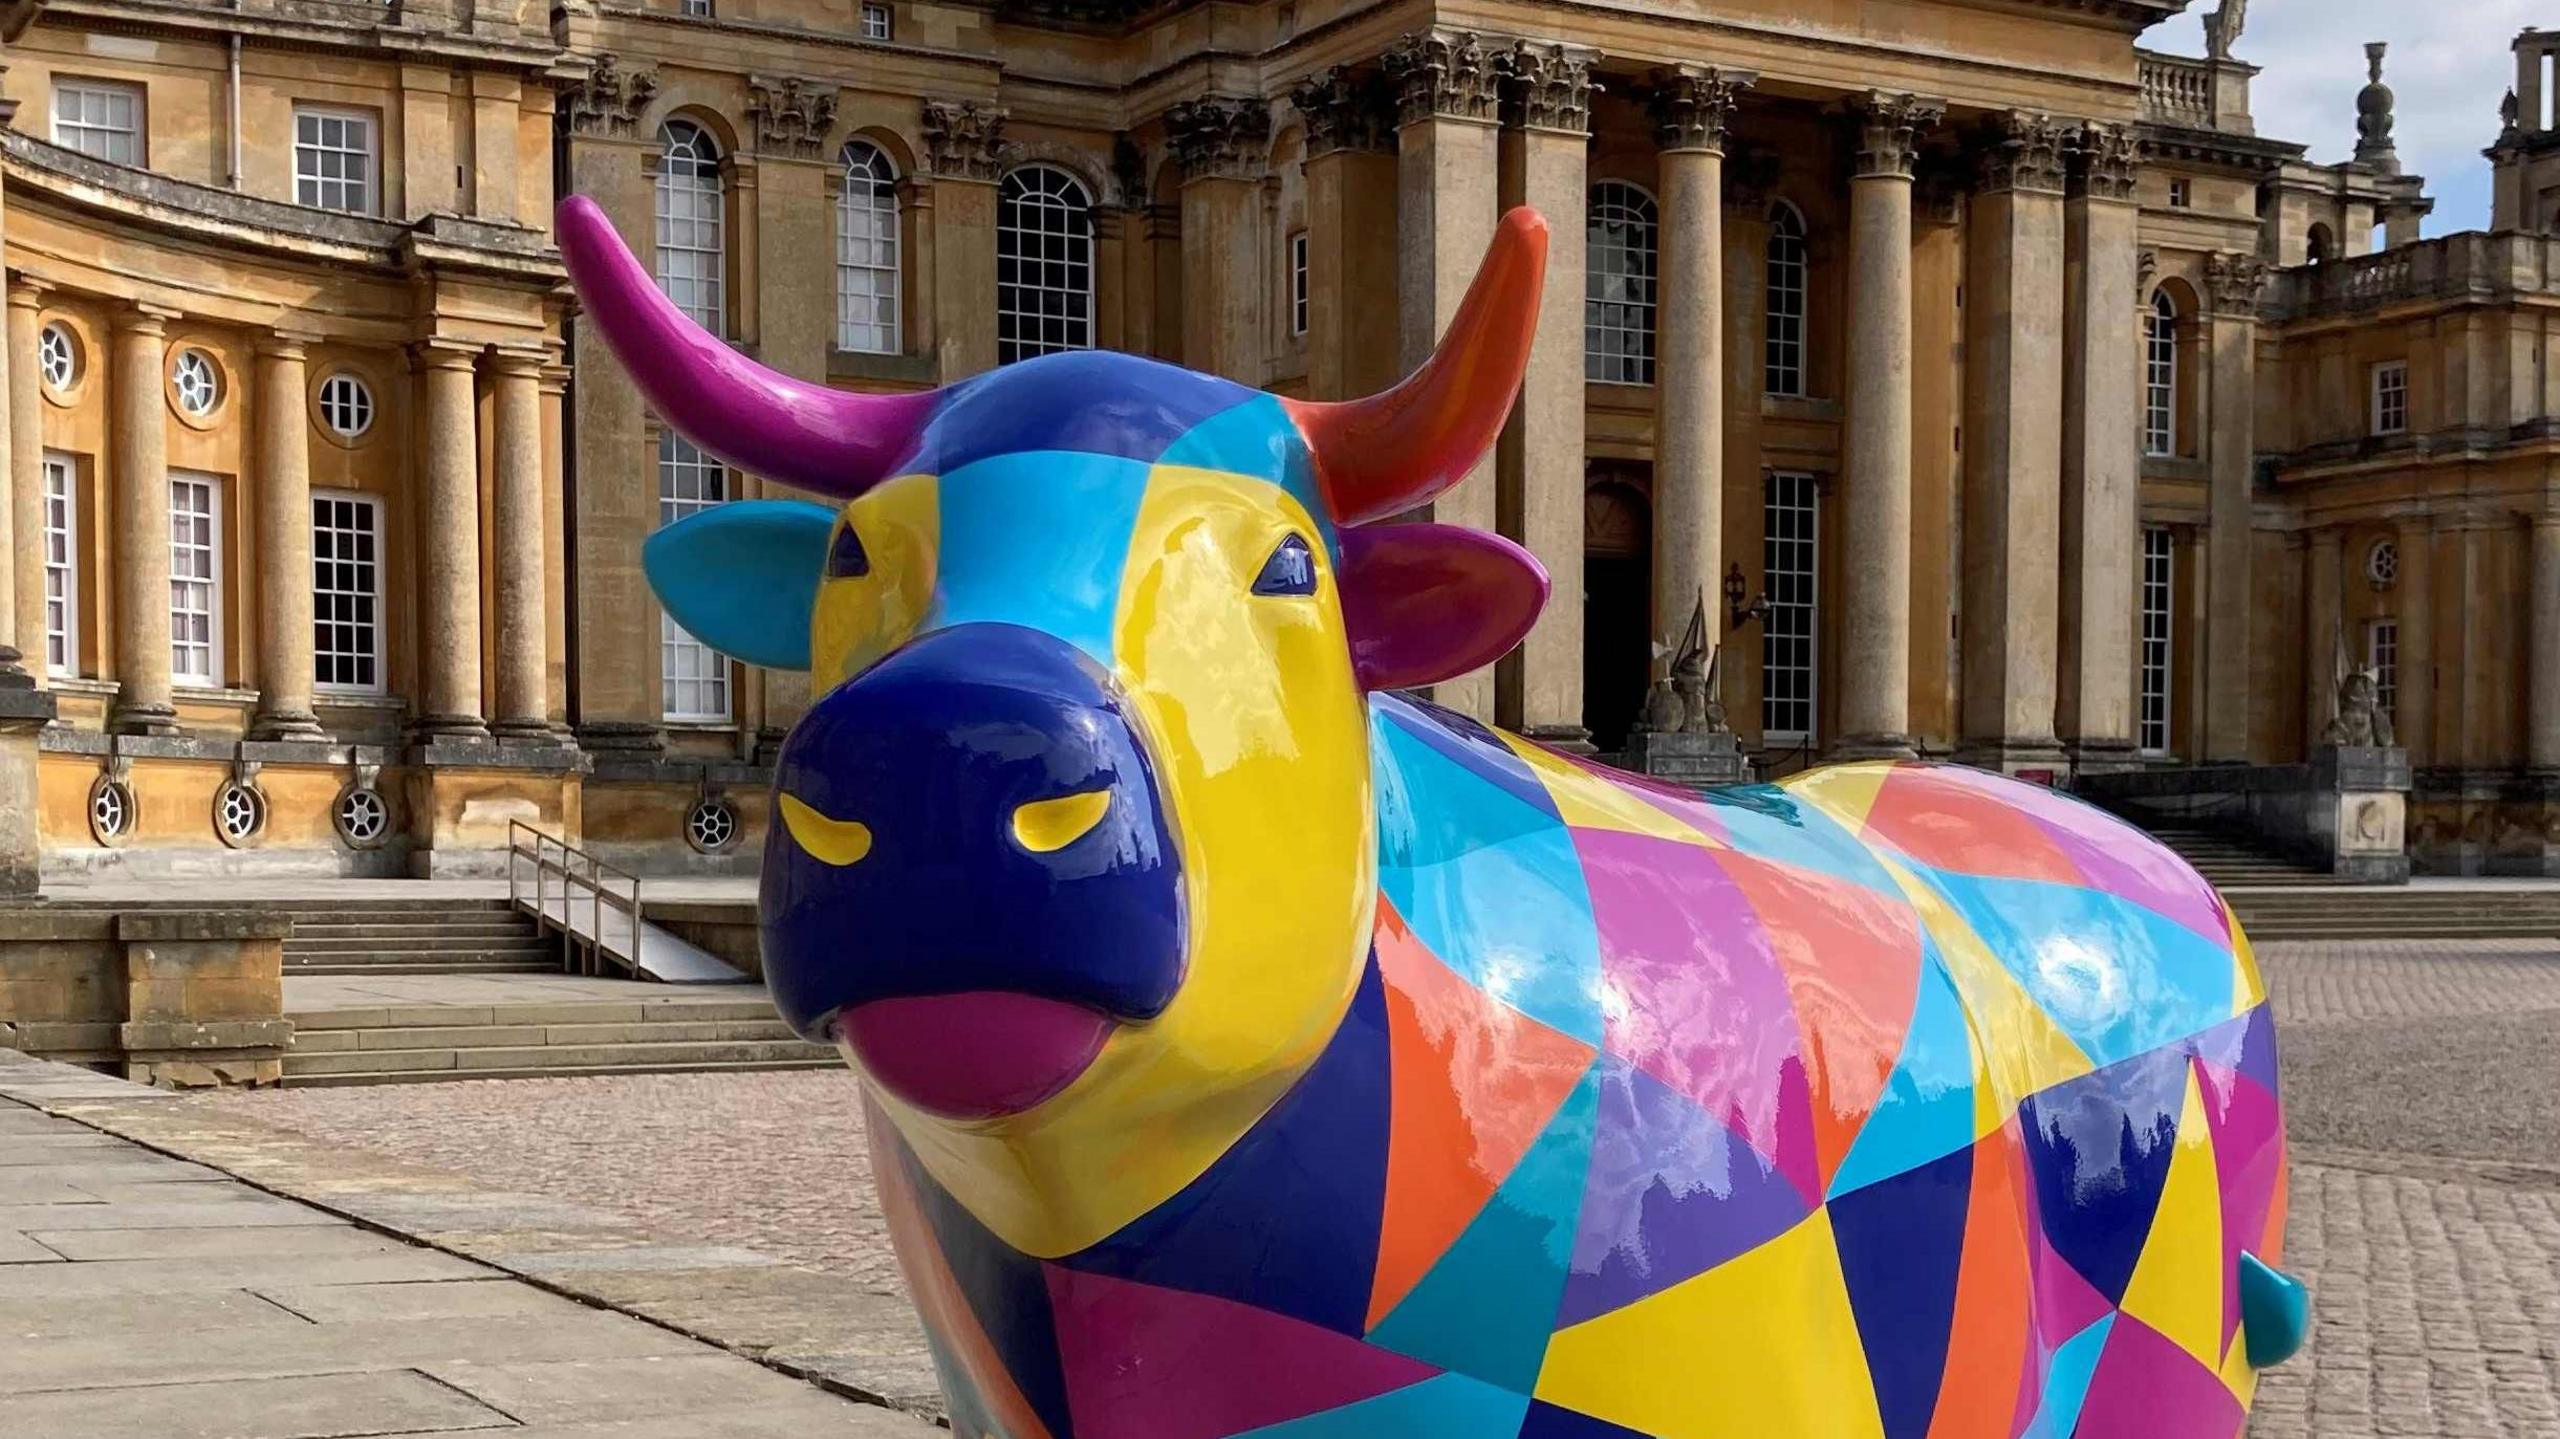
2222,27
2360,719
1683,700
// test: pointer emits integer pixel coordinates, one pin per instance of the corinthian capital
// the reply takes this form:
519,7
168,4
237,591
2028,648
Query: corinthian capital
1889,130
2022,150
964,140
1346,110
609,100
1691,105
2232,279
1443,74
1551,85
1219,136
2104,161
791,115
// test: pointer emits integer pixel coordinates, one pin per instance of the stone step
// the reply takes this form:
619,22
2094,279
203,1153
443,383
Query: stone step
482,1036
477,1060
753,1005
430,966
498,927
318,1081
461,944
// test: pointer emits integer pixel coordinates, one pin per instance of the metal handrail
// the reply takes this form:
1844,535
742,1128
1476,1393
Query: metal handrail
577,870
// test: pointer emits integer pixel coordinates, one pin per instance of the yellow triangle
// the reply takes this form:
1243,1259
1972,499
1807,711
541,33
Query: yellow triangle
1762,1344
2237,1374
1844,791
1588,801
2022,1049
2177,1284
2249,987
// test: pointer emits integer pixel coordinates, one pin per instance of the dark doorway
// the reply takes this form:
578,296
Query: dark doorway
1617,609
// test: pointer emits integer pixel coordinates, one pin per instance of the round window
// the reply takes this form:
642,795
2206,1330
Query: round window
58,356
111,812
712,826
239,812
197,382
2382,564
361,816
346,405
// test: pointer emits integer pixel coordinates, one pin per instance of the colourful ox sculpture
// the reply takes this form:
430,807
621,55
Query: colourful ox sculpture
1253,1050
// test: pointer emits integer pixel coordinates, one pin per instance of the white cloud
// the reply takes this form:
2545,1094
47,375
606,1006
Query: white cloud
2448,66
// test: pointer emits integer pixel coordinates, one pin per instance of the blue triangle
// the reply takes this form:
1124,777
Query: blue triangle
2066,1381
1901,1241
1546,1421
2099,1148
1487,1307
1449,1404
1926,1111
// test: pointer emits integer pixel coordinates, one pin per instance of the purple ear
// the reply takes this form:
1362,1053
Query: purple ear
1426,603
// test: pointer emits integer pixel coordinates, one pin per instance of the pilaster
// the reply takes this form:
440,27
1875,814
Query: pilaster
964,145
1352,347
1221,145
2232,281
25,474
2101,448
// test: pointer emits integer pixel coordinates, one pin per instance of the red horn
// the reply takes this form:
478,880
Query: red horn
1390,452
830,441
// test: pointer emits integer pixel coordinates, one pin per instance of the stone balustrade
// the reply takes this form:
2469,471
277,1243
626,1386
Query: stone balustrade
2177,90
2474,264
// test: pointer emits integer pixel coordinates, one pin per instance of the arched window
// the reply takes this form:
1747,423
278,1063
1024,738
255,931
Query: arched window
1044,264
1784,360
2160,376
867,252
692,248
2317,247
1618,298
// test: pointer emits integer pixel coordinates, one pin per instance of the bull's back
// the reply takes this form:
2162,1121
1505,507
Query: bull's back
1916,1100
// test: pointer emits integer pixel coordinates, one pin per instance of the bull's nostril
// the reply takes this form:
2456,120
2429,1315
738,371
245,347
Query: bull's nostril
829,841
1052,824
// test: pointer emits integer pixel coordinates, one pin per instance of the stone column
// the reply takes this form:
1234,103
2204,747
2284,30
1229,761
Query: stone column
555,580
2414,589
523,623
449,544
2232,279
2101,451
1221,145
1447,162
1875,663
26,476
1540,465
1352,341
2323,632
284,544
2542,703
964,143
1691,106
138,459
2013,444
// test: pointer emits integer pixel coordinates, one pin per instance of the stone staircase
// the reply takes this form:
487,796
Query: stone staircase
398,1044
2394,912
2234,863
395,936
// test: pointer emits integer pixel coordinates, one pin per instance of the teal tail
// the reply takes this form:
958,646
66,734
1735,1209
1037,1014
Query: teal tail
2275,1312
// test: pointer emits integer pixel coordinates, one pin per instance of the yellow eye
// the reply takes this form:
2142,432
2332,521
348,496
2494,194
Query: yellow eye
829,841
1052,824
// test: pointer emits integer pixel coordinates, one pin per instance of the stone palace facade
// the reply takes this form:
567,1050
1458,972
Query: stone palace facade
1996,388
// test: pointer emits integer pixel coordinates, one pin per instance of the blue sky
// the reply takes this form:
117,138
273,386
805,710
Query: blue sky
2448,65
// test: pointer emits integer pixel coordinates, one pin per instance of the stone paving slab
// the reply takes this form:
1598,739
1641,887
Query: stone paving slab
23,1319
387,1261
317,1406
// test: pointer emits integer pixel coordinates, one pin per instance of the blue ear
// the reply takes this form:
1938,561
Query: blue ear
743,577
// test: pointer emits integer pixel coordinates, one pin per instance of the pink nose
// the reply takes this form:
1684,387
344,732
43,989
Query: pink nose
974,1055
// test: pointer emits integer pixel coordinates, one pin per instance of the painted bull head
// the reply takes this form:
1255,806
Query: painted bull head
1075,844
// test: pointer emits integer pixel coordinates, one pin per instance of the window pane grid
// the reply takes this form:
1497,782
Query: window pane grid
1789,517
2382,656
194,580
1298,283
867,254
2391,398
2157,574
1044,265
694,676
61,568
346,593
104,121
2160,378
1619,286
875,22
333,160
691,219
1784,360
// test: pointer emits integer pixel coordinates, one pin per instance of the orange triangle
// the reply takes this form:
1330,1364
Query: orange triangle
1980,1390
1474,1083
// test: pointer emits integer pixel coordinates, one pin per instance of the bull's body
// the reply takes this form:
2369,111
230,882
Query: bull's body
1898,1100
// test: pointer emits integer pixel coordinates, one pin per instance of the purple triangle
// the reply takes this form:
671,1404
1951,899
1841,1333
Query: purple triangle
1670,1194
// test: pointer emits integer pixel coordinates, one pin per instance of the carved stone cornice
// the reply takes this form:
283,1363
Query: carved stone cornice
2020,150
1221,137
1443,74
1346,109
609,100
1550,86
2104,161
1692,104
792,116
964,140
2232,279
1889,127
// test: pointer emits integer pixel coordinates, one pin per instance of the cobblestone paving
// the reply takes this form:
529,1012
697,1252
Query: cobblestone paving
2422,1083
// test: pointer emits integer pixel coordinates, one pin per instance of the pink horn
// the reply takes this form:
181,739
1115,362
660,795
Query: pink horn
1390,452
832,442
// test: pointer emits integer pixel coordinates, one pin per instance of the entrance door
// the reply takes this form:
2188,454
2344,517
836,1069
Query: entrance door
1617,610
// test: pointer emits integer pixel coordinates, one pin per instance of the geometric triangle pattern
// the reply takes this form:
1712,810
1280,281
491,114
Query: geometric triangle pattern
1902,1101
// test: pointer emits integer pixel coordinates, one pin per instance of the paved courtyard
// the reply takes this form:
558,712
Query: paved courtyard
2423,1081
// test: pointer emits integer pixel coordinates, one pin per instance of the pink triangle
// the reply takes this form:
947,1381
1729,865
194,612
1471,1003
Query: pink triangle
2147,1386
1170,1364
2248,1154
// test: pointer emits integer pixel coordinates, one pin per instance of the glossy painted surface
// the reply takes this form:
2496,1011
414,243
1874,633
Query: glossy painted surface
1253,1051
